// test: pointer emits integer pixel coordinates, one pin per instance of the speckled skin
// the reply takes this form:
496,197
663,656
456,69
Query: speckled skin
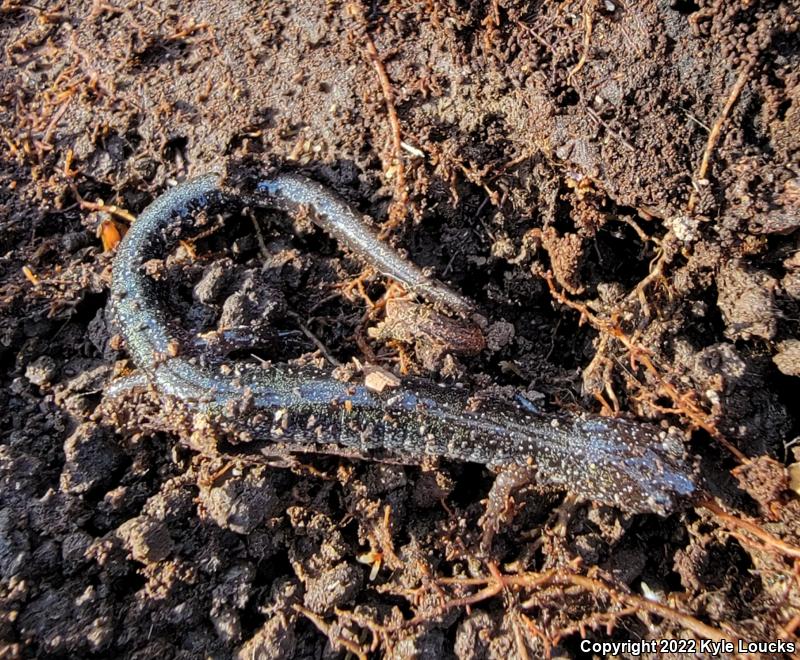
290,192
633,466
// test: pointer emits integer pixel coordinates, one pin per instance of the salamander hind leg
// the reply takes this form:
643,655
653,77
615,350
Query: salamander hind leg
499,509
135,383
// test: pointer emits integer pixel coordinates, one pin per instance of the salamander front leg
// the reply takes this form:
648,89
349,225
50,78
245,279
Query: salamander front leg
499,509
135,383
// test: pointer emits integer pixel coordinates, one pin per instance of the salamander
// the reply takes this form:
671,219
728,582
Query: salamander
635,466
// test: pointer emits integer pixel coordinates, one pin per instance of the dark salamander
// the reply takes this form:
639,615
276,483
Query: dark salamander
634,466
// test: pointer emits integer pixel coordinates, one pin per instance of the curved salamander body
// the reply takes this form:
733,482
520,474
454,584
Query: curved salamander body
634,466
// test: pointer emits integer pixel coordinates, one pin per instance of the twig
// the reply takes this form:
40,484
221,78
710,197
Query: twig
262,244
691,117
102,206
716,130
400,203
594,621
539,38
656,271
587,38
610,130
683,401
496,583
763,535
519,639
378,631
790,627
686,620
547,642
325,628
314,340
643,235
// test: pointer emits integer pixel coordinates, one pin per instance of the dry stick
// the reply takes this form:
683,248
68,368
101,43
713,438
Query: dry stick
538,38
401,201
489,591
519,640
494,585
314,339
790,627
325,629
716,129
686,620
101,206
643,235
656,271
374,627
763,535
595,620
587,38
610,130
262,246
682,400
547,642
381,536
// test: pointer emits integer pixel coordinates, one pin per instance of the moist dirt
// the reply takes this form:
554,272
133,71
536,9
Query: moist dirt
615,184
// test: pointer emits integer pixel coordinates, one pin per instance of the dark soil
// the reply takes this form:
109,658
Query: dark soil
615,184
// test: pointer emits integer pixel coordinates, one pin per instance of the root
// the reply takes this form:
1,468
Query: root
684,402
325,629
716,131
733,522
314,340
399,208
628,602
101,206
587,39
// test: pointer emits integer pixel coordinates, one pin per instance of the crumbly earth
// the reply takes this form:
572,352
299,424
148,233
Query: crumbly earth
615,184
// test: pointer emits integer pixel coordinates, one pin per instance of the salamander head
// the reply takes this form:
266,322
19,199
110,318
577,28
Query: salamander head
637,467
